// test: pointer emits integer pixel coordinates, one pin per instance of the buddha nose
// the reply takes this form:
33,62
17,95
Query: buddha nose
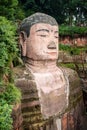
51,45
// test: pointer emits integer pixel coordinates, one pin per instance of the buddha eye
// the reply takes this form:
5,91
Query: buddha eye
42,35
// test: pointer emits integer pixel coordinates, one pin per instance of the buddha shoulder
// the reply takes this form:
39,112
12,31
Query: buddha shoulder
21,72
70,74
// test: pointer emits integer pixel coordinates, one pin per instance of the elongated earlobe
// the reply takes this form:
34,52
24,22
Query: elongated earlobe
22,43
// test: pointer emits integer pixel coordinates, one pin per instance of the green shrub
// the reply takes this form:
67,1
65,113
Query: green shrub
8,97
8,45
68,65
72,30
64,47
9,94
71,50
5,115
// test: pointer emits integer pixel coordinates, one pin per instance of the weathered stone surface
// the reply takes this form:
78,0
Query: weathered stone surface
30,105
75,90
76,40
31,108
17,117
64,57
73,117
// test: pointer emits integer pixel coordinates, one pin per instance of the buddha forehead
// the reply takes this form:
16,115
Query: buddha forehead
37,18
44,27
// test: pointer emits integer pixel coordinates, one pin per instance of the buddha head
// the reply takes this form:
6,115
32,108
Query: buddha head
39,37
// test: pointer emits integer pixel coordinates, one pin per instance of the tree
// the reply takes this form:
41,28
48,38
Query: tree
10,9
71,12
75,10
50,7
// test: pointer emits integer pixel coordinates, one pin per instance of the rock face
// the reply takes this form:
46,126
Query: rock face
17,117
73,117
69,119
64,57
77,40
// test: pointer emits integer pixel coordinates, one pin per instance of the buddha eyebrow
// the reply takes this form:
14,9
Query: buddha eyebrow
42,30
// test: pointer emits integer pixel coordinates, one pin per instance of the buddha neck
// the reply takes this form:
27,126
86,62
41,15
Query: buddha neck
41,66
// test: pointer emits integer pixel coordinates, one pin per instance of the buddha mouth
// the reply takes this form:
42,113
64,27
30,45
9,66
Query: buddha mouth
52,52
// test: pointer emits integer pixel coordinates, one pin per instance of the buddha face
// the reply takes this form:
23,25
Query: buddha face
42,43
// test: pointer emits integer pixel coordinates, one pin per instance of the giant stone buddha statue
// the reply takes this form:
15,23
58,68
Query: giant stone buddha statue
44,86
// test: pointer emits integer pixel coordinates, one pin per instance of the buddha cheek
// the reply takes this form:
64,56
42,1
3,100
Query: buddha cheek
41,45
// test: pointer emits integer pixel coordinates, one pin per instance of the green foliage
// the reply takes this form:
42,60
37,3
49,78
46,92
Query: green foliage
9,94
72,30
75,11
20,14
53,8
8,44
68,65
75,51
11,9
72,12
64,47
5,115
71,50
8,8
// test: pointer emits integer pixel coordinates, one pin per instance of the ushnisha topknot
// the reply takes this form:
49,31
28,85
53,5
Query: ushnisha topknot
36,18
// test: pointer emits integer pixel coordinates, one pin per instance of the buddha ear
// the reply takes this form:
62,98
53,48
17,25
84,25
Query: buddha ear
22,42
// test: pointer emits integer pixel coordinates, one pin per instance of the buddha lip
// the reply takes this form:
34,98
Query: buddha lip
54,52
